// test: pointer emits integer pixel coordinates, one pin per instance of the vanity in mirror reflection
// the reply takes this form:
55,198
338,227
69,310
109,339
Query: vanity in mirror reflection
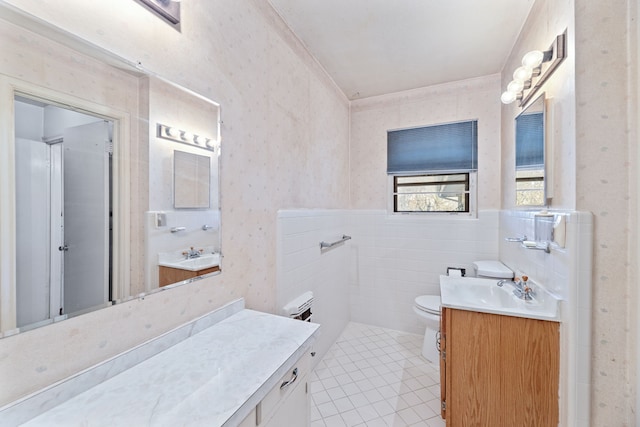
95,202
530,155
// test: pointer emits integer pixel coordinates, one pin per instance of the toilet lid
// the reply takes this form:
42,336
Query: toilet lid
429,303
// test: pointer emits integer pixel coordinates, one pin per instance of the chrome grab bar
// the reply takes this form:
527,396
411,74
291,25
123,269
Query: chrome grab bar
176,229
325,245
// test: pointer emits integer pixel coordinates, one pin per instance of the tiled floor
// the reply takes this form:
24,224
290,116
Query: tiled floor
375,377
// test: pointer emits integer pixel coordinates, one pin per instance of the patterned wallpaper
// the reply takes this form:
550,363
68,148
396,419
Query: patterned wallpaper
607,171
284,145
596,169
450,102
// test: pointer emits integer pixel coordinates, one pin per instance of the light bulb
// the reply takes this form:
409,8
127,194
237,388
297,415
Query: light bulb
508,97
515,87
187,136
200,140
173,132
532,59
522,74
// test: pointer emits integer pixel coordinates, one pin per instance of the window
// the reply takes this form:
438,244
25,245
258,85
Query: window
433,168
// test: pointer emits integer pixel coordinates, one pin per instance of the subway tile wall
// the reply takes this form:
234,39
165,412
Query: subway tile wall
398,257
302,267
565,272
391,259
374,277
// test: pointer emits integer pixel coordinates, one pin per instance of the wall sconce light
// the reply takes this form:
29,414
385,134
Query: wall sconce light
537,67
174,134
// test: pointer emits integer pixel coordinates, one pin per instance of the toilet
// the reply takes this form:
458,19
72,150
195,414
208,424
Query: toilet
427,307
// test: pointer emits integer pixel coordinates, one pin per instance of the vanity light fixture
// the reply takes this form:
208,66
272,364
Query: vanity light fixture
169,10
537,67
174,134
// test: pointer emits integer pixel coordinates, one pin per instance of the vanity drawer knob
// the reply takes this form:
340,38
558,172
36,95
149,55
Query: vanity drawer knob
294,377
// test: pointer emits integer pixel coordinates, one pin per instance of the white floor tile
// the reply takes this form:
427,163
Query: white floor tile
338,393
352,418
343,404
334,421
375,377
327,409
368,412
384,408
359,400
373,396
408,415
320,397
351,389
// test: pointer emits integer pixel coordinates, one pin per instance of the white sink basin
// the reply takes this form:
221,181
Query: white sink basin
484,295
194,264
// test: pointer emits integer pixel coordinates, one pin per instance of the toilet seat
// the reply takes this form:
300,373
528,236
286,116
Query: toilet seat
428,303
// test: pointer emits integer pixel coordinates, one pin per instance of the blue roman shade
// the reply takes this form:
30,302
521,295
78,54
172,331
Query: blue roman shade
530,141
450,147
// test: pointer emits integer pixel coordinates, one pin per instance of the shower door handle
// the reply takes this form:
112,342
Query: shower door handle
63,248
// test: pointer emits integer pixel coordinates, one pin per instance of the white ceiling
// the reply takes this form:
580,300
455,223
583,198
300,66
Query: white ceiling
373,47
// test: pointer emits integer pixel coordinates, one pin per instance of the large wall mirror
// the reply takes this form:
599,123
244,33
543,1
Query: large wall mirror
87,184
530,155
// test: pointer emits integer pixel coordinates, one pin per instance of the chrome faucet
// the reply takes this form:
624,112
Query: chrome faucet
520,288
192,253
516,284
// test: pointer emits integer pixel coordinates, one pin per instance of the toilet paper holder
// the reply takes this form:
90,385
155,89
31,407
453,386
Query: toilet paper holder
456,271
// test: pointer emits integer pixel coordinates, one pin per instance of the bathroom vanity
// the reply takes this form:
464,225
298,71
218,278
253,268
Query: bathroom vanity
500,357
170,275
499,370
233,367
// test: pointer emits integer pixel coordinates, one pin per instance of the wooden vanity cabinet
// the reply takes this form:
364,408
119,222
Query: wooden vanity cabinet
499,370
169,275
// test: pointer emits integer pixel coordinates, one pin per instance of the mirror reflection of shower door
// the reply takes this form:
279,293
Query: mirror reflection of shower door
63,248
86,217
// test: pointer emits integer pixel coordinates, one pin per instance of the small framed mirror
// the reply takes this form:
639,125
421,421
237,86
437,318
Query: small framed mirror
530,155
191,178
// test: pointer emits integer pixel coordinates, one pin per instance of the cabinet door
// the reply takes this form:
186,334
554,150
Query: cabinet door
473,369
294,410
531,365
170,275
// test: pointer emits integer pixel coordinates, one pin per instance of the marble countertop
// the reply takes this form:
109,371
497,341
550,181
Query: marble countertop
213,378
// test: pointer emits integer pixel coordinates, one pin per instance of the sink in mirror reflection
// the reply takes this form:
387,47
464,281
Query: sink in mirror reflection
92,179
201,262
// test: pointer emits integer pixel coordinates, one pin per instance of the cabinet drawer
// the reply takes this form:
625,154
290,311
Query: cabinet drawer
280,392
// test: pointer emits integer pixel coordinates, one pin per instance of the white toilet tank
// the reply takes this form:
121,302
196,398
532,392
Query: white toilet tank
492,269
